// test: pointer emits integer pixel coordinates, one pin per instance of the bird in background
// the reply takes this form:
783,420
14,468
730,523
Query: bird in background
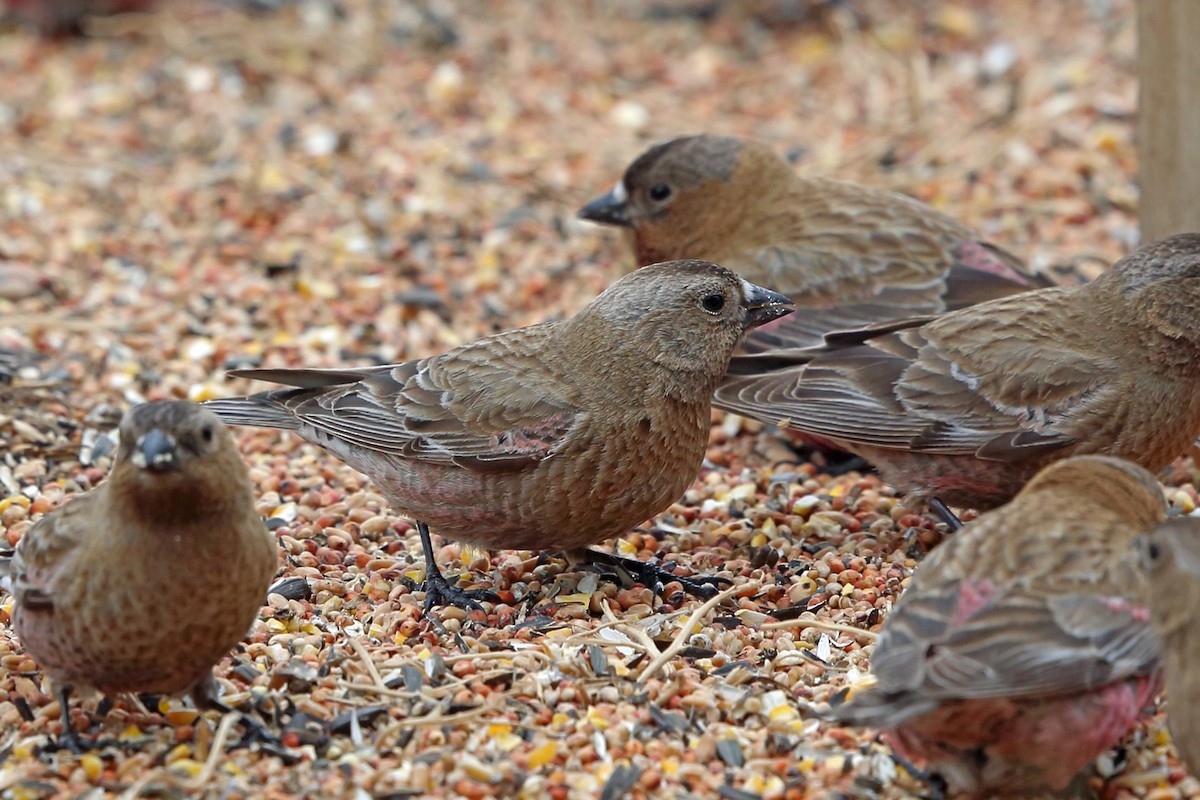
847,255
967,406
145,582
1170,558
554,436
66,17
1022,648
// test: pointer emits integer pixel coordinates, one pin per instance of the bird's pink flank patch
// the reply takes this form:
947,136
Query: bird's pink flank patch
1023,743
972,596
978,257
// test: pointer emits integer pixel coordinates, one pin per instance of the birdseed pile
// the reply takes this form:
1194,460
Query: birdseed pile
207,187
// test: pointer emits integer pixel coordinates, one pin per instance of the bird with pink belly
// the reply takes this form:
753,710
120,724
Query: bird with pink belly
1022,648
967,406
554,436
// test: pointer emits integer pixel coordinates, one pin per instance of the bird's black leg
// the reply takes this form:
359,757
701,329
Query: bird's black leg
654,576
943,512
438,591
70,737
936,783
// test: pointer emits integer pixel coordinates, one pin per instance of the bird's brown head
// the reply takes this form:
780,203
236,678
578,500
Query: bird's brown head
1160,283
1120,487
171,448
688,197
686,317
162,437
1170,558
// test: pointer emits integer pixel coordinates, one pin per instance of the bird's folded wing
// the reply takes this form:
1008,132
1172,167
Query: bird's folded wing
44,547
944,387
836,262
480,407
856,256
939,645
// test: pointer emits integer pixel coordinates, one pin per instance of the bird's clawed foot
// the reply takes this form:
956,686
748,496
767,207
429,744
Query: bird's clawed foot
936,783
70,739
439,592
655,575
73,743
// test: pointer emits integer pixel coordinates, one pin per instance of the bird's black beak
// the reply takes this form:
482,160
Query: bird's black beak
156,452
763,305
609,209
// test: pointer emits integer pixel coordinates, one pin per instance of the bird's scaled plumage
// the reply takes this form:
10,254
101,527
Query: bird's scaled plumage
847,254
1022,648
147,581
1170,558
558,435
967,406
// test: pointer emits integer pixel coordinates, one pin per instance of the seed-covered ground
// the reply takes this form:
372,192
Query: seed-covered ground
351,182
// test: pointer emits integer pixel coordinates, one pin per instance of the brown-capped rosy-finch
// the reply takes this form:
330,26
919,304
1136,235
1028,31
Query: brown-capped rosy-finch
147,581
558,435
1022,648
969,405
848,255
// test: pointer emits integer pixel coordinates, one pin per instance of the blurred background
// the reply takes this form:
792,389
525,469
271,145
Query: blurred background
329,171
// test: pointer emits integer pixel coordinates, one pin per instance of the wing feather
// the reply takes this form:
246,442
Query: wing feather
475,407
932,386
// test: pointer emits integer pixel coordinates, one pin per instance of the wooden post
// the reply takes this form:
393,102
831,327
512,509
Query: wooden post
1168,117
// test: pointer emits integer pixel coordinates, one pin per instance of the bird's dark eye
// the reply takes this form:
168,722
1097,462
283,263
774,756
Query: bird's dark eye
207,433
1153,551
660,192
713,302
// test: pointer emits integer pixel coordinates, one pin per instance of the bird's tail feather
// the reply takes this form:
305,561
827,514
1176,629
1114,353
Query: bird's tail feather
257,410
874,708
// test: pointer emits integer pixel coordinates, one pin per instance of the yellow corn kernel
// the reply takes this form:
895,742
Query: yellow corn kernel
543,754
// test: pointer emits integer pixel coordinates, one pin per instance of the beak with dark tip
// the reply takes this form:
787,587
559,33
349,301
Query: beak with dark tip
156,452
609,209
763,305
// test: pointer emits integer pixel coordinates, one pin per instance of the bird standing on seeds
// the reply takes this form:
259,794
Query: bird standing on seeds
558,435
847,254
968,406
99,584
1021,650
1170,556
